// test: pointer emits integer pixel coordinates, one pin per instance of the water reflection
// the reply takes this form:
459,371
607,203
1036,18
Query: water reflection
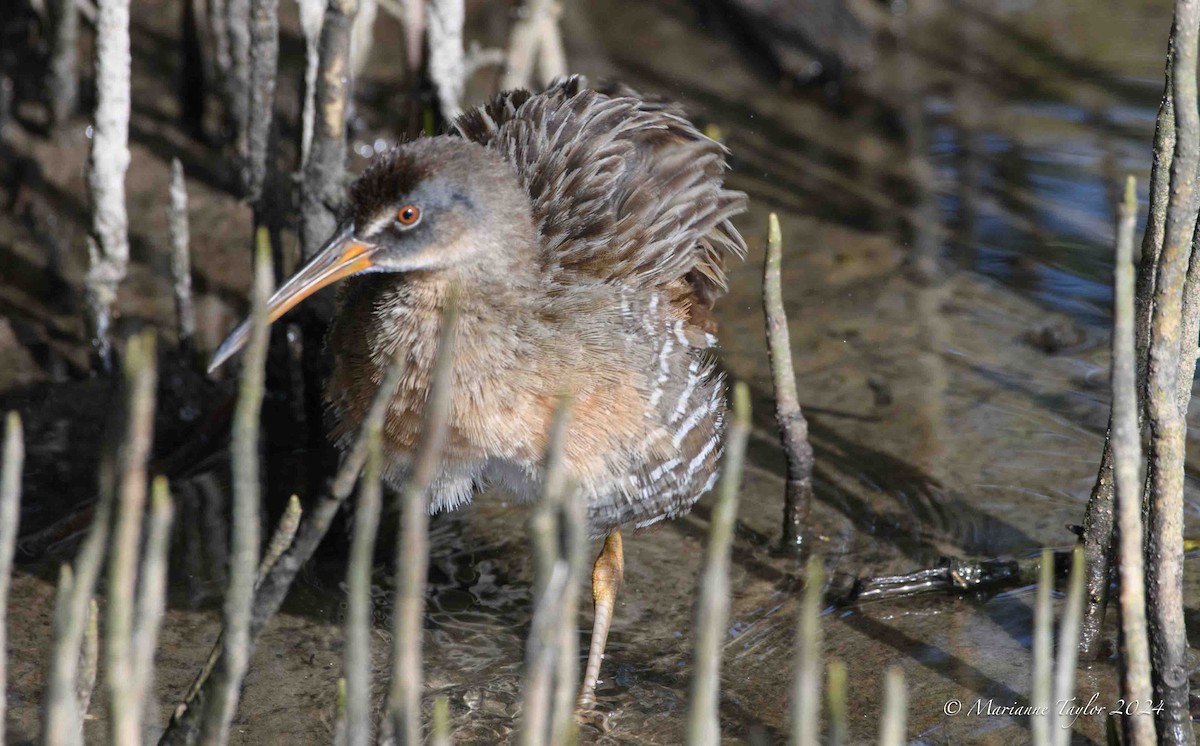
1035,169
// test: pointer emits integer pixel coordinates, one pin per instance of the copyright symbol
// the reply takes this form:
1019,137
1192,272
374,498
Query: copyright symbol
953,707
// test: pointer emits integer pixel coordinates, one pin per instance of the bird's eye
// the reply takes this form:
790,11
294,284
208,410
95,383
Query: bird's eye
408,216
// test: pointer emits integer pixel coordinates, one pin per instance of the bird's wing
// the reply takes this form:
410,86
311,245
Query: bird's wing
623,187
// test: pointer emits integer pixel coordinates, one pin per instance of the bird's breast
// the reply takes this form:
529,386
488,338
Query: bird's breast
380,320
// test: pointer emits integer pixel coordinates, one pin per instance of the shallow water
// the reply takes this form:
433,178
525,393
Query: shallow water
953,413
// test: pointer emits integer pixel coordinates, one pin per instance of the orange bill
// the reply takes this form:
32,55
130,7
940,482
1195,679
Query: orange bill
341,257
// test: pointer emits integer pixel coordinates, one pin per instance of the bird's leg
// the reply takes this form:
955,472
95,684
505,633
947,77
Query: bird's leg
607,576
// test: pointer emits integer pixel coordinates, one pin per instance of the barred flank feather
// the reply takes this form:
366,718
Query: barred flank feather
676,461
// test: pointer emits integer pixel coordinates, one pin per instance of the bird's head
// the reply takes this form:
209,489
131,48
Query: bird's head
436,204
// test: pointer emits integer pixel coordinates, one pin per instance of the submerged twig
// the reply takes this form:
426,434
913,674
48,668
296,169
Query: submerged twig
544,518
1097,548
440,735
244,554
895,709
312,16
89,661
793,427
552,583
837,703
235,79
63,84
806,692
1043,654
1127,458
1189,335
339,715
215,12
447,65
1099,517
285,533
321,189
952,575
552,55
263,62
62,711
1068,652
540,655
1164,529
152,593
108,240
412,555
11,468
125,701
181,262
362,35
479,57
533,32
357,658
712,603
412,17
411,14
62,722
1156,219
549,578
7,101
573,529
